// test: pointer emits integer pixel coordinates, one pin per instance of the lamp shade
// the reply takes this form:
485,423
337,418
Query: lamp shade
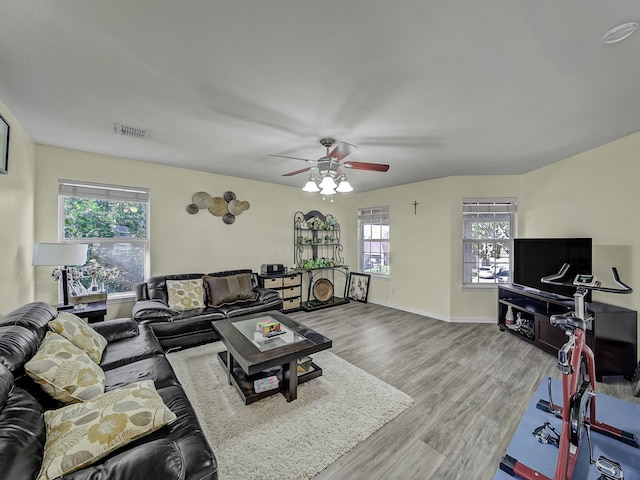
310,186
327,191
344,186
59,253
328,182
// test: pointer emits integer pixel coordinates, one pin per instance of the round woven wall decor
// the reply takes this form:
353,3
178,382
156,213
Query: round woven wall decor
323,290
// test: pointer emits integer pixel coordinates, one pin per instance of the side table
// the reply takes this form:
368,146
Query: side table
93,312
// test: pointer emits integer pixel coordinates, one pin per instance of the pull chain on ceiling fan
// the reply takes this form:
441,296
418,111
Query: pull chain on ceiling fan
327,175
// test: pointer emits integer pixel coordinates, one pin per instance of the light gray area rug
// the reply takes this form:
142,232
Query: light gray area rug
273,439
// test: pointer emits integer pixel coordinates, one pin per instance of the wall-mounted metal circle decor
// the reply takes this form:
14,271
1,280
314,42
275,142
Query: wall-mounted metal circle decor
218,207
192,208
323,289
235,207
201,199
227,206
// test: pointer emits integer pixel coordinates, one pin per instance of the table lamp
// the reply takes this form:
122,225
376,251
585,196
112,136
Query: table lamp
61,255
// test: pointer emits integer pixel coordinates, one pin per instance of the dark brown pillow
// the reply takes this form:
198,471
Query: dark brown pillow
228,290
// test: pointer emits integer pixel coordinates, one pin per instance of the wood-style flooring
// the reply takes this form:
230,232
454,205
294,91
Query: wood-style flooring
470,383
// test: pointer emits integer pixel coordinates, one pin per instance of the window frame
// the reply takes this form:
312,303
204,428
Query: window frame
385,212
92,190
488,205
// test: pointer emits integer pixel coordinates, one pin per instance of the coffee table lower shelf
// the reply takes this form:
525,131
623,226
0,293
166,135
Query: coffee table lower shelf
243,383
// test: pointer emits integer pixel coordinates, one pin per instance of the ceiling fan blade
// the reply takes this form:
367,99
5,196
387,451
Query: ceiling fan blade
374,167
290,174
293,158
342,150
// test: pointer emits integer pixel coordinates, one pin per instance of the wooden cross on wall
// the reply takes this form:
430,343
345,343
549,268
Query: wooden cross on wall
415,206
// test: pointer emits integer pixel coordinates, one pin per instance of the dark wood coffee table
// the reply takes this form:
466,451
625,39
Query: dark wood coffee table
251,356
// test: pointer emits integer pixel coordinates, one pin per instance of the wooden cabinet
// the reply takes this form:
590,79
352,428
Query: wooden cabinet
612,335
289,287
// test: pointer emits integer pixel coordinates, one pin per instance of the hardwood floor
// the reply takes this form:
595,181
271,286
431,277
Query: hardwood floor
470,383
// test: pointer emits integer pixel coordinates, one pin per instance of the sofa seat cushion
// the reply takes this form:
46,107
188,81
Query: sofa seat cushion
64,371
22,436
74,329
131,349
134,463
79,435
155,368
229,290
116,329
33,316
185,294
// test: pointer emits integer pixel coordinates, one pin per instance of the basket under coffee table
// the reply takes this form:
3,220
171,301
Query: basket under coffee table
251,356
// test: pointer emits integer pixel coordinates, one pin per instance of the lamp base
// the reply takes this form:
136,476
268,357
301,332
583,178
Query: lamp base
66,307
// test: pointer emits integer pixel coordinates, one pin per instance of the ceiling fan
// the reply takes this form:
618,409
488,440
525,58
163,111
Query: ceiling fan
333,160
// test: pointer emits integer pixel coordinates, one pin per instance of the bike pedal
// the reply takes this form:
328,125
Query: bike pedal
609,469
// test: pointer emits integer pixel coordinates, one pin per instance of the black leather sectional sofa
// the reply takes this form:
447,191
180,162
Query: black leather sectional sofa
178,450
178,329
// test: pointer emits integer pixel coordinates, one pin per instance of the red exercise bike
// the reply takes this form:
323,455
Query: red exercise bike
578,410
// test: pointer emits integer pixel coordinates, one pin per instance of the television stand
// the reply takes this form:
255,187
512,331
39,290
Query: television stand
612,335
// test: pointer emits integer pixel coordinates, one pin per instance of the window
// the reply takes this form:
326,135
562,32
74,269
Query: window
373,236
113,221
487,240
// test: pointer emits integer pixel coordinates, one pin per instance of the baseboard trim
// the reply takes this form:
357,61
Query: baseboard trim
437,316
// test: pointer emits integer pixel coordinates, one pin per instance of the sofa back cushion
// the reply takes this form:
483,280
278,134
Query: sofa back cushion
33,316
229,290
22,434
17,345
157,286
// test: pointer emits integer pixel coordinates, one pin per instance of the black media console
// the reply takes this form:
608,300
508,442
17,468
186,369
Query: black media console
612,335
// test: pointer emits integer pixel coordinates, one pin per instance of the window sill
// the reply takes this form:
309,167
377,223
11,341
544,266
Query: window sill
481,287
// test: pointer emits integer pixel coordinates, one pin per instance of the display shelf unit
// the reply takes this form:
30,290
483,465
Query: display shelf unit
612,335
318,256
289,287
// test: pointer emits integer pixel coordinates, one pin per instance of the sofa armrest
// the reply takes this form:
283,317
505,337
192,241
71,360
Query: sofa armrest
117,329
266,294
151,309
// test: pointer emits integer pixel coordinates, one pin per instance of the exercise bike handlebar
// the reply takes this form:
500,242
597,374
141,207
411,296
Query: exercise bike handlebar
556,278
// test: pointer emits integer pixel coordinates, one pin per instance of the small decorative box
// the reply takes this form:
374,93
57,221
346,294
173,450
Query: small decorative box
268,326
264,384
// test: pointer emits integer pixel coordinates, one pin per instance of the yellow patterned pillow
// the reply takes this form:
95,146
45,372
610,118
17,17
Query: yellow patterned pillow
185,294
74,329
79,435
64,371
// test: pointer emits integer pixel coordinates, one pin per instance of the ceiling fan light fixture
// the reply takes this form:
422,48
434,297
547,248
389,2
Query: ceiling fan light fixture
328,182
344,186
311,186
619,33
327,191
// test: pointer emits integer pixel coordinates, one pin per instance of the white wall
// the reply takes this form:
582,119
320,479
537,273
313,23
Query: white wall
426,246
16,218
594,194
180,242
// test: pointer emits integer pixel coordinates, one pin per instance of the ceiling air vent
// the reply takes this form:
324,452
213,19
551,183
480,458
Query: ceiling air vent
132,132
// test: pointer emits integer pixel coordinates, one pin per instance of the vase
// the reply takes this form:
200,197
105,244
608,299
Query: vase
94,284
508,318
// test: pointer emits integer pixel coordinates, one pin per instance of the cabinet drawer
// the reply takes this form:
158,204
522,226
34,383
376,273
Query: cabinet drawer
291,281
291,303
272,282
291,292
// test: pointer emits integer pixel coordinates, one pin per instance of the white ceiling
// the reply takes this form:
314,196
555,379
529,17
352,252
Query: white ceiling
433,88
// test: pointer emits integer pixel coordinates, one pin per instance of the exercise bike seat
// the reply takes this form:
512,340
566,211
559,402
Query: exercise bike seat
568,322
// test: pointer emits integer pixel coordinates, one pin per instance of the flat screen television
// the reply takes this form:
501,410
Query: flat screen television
534,258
